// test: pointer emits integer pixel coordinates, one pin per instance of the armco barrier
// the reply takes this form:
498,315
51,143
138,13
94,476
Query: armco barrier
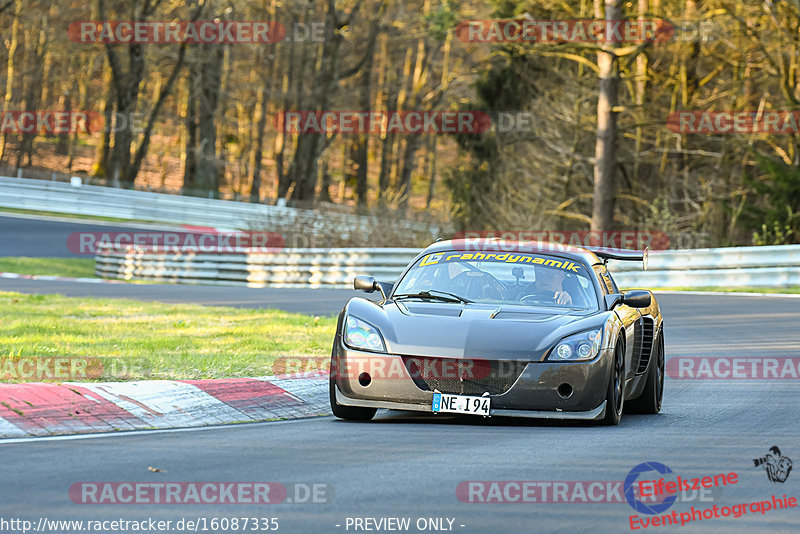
311,267
726,267
59,197
773,266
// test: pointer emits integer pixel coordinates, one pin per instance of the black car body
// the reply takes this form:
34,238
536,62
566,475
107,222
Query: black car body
485,330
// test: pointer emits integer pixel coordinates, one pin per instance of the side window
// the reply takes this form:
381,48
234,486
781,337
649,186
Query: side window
605,280
613,283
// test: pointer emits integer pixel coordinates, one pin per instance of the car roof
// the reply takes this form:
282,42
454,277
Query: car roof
526,247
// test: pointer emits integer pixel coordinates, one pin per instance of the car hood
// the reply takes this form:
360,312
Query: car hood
449,330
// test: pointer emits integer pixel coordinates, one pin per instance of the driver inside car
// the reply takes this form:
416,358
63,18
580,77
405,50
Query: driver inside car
551,285
461,279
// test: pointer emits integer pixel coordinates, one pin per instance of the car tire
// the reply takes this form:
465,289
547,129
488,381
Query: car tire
650,400
350,413
615,395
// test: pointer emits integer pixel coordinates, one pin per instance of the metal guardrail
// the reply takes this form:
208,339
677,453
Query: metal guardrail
311,267
714,258
59,197
727,267
771,266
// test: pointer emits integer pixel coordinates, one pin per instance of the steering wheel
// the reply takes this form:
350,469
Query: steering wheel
480,285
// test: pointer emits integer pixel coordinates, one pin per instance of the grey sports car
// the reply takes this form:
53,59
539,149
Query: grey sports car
497,328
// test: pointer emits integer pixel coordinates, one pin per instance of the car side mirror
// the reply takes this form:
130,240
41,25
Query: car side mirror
637,299
369,284
612,300
364,283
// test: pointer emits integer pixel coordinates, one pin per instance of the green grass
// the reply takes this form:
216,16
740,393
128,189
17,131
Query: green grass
141,340
70,267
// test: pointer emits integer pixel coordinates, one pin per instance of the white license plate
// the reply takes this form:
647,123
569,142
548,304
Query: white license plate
443,402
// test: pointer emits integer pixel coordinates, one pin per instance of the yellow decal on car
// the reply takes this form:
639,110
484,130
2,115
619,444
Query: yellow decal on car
443,257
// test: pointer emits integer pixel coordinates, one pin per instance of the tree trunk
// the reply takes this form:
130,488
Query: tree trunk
127,92
641,86
325,179
11,66
141,151
431,169
387,144
413,143
33,94
208,98
605,146
361,141
255,187
190,122
300,170
126,88
288,84
310,146
63,137
100,166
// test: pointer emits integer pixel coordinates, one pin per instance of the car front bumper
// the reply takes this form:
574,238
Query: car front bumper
535,393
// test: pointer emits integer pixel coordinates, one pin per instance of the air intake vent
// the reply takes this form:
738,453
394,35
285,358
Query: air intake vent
648,327
463,377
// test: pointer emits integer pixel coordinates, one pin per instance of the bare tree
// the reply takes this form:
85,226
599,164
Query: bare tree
605,148
11,66
127,83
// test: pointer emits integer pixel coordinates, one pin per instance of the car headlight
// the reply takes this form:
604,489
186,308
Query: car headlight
582,346
362,335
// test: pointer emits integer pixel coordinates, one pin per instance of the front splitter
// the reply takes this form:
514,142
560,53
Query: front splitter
589,415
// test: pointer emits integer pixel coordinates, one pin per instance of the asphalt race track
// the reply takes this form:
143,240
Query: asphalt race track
406,465
36,236
311,301
45,237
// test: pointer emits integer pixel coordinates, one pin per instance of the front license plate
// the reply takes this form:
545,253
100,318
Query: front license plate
443,402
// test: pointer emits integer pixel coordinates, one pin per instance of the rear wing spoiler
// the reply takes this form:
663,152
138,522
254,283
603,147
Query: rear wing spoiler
622,255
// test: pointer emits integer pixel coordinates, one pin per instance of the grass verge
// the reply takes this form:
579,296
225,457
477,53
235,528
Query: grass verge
142,340
70,267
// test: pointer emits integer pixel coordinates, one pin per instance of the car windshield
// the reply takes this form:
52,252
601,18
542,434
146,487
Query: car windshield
499,278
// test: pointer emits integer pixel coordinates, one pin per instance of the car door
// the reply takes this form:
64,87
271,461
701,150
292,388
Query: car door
631,320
